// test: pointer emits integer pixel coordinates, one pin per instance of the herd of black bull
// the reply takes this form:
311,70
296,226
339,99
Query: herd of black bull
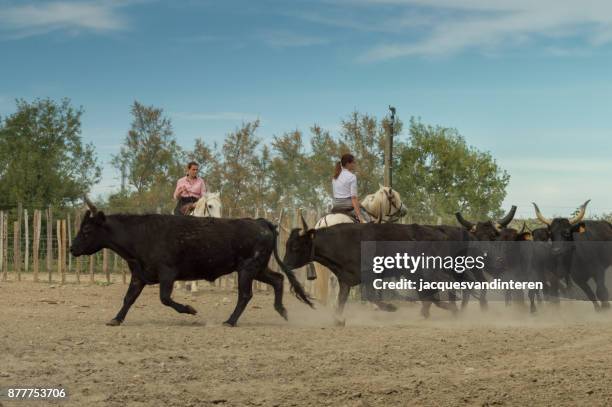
162,249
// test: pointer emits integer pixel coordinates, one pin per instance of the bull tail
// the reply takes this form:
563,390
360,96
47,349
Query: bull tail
296,286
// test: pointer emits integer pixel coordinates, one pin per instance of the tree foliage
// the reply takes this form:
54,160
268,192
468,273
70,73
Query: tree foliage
42,157
438,174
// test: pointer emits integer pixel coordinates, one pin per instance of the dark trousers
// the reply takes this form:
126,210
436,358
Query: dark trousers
182,201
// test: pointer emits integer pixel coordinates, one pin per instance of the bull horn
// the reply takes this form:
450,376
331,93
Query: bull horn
503,222
304,224
580,214
90,205
541,217
465,223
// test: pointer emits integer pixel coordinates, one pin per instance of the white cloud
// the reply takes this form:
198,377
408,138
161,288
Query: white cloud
452,26
20,20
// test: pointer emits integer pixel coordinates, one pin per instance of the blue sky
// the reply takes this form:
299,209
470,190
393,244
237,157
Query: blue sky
531,82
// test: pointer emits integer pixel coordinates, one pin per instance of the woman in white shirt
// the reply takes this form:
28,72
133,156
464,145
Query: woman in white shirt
344,186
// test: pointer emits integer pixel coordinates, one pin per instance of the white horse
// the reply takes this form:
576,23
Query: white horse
385,205
209,205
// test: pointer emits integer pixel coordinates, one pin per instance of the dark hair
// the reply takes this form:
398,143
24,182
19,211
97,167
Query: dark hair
191,164
346,159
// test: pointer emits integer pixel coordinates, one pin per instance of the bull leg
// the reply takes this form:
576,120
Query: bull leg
276,281
428,299
602,291
465,298
508,297
134,290
532,294
246,274
343,294
449,306
165,293
589,293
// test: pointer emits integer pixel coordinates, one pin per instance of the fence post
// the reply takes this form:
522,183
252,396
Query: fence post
49,267
77,222
2,268
92,260
5,237
105,264
17,249
68,229
322,282
123,266
63,250
58,236
26,225
36,244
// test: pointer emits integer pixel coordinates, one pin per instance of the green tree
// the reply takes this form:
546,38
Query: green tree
239,166
151,157
150,152
438,174
42,155
362,135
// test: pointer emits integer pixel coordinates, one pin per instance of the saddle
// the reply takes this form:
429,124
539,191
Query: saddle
345,211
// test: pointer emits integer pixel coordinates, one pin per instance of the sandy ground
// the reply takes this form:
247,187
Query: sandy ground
53,335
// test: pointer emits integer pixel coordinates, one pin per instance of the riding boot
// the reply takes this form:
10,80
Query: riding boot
311,274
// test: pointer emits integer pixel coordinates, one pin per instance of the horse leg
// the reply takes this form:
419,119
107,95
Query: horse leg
343,294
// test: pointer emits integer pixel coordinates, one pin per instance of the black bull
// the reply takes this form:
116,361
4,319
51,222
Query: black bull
164,248
338,248
582,250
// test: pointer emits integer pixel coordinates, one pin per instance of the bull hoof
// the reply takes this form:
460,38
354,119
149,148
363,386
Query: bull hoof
387,307
113,322
283,312
229,324
605,306
425,313
339,322
484,306
190,310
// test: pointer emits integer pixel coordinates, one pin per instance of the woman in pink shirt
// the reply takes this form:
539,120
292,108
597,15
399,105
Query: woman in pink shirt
189,188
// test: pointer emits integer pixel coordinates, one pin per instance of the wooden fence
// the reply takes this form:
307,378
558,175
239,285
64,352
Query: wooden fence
26,255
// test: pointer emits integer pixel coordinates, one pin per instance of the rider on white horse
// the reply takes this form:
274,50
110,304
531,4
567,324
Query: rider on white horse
344,186
188,190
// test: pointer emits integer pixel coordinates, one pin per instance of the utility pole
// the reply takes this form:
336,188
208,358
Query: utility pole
388,180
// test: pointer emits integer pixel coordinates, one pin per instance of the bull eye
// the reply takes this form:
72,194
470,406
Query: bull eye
566,233
210,206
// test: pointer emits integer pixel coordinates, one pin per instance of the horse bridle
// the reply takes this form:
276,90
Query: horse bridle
392,217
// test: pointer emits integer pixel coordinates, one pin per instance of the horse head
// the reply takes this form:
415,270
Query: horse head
209,205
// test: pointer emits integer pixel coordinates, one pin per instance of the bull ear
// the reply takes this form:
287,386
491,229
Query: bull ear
579,228
100,217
